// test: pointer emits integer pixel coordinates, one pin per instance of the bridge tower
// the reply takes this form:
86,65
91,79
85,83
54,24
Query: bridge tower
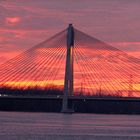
68,81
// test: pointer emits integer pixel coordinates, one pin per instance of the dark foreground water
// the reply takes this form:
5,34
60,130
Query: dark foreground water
51,126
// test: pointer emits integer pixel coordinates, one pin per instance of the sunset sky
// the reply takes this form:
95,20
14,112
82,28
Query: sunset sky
25,23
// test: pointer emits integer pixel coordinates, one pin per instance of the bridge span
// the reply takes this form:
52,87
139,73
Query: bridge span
80,104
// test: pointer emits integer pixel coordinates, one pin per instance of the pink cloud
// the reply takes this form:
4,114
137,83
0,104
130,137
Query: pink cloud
12,20
132,48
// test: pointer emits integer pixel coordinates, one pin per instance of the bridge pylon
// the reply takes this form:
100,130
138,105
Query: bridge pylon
68,81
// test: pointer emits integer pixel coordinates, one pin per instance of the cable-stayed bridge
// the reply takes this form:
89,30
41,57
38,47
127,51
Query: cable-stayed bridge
75,63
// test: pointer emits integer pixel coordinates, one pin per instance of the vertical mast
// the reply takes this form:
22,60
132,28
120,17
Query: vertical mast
68,81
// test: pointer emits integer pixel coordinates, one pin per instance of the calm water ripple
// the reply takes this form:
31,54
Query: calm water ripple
50,126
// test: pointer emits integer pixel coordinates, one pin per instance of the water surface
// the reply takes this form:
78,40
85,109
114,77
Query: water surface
34,126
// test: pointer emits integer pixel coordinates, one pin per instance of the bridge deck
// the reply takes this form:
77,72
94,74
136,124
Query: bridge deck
73,97
79,104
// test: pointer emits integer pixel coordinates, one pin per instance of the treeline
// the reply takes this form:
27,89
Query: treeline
30,91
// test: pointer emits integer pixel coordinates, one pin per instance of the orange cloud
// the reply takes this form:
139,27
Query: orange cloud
12,20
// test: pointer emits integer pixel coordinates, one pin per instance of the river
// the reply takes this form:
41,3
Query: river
51,126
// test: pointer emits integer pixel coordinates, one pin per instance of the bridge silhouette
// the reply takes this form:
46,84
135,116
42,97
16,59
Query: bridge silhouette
75,63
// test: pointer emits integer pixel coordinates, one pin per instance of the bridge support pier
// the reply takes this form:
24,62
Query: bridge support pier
68,81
